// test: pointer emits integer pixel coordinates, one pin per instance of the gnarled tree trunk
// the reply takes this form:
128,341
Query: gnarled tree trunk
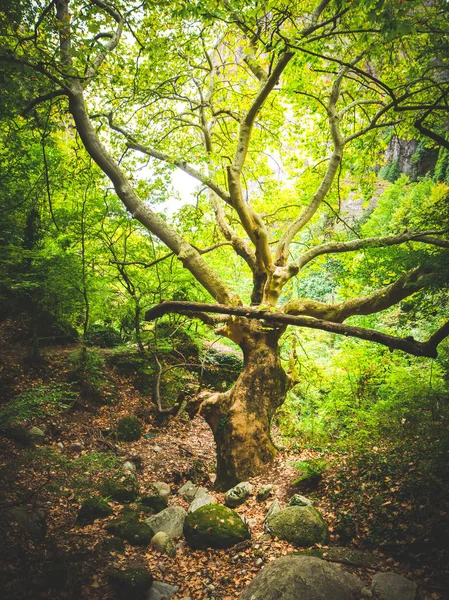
240,418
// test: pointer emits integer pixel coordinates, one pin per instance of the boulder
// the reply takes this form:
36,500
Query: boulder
161,591
344,556
93,508
391,586
298,500
273,509
131,583
164,544
123,490
302,577
170,521
299,525
265,492
214,526
238,494
35,436
200,501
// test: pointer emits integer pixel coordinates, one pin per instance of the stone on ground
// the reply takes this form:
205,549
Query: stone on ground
392,586
265,492
189,491
302,578
299,525
299,500
131,584
156,496
214,526
35,436
345,556
273,509
161,591
200,501
164,544
93,508
129,528
238,494
170,521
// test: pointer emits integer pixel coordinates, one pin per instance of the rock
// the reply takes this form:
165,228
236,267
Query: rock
131,583
35,436
76,446
129,528
238,494
161,591
300,525
93,508
298,500
170,521
391,586
157,496
32,522
273,509
200,501
214,526
164,544
129,429
129,467
366,593
124,490
189,491
302,577
259,562
265,492
113,544
345,556
60,445
157,449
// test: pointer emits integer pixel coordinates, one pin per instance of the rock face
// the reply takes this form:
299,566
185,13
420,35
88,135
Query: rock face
391,586
170,521
200,501
302,578
300,525
238,494
214,526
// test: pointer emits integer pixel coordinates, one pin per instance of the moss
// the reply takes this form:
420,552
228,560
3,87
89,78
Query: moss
129,528
154,502
300,525
131,583
129,429
121,490
93,508
214,526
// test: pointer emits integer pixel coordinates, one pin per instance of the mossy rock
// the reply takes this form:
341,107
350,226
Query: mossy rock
113,544
129,528
214,526
129,429
155,503
345,556
131,583
93,508
125,490
299,525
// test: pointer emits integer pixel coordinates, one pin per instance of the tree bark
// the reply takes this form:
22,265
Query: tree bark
240,419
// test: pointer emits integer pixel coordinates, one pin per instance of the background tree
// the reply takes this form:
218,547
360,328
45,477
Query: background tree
259,103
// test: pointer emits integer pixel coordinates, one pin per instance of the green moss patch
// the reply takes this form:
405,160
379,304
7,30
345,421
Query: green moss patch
129,528
93,508
131,583
214,526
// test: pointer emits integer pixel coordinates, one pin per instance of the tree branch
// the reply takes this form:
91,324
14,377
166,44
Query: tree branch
408,345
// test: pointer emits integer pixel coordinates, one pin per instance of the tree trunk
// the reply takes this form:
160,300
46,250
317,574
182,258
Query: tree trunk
240,418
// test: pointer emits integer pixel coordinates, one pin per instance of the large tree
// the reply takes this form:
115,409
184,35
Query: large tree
271,107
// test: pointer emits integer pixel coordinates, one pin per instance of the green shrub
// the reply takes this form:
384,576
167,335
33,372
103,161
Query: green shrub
103,336
37,402
129,429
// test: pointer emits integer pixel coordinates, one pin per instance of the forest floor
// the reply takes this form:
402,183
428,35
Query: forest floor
71,562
